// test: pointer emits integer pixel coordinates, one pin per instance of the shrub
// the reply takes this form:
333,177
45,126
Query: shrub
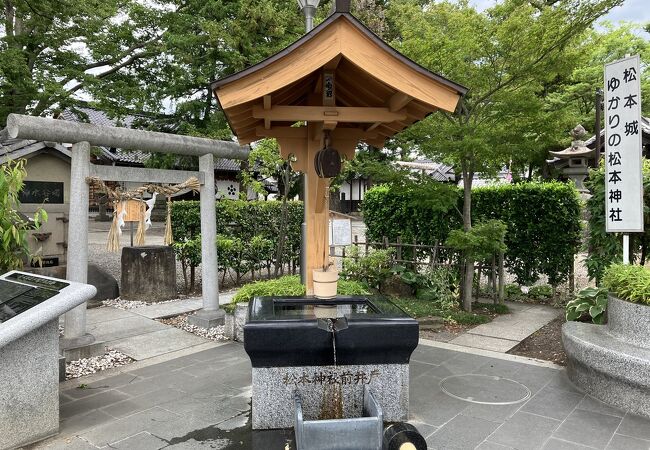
513,291
540,292
628,282
248,233
14,248
589,302
287,286
542,219
371,269
438,285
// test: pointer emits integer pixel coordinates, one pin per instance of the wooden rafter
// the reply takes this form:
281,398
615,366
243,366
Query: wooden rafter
325,113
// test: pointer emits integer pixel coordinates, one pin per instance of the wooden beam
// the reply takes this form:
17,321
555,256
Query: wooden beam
322,113
373,126
267,106
333,63
329,124
282,132
398,101
301,133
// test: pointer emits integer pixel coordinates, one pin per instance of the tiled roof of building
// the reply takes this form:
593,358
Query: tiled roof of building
22,148
130,157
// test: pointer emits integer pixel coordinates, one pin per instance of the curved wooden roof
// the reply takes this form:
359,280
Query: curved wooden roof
379,92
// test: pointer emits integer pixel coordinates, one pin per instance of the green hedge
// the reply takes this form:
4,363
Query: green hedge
248,233
289,286
543,221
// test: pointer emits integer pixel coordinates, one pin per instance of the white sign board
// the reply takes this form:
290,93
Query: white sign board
340,232
623,177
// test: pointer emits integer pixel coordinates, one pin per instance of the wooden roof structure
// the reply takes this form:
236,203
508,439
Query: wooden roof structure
378,91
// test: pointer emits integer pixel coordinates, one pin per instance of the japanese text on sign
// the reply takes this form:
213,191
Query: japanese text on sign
623,178
330,377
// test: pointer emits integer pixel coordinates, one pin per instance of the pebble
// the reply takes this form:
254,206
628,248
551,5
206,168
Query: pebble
86,366
180,321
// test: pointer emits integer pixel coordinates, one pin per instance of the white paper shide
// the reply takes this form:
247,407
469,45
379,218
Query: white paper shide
623,177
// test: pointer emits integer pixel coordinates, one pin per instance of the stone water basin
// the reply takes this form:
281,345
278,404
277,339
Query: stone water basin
291,353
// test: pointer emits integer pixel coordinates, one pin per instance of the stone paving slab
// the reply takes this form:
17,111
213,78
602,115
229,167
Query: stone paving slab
165,406
156,343
507,330
494,344
169,309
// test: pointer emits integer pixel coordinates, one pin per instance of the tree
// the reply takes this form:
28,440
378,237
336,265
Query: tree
14,248
506,55
130,56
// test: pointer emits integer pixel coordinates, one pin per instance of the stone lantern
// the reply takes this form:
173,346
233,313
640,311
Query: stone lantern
573,162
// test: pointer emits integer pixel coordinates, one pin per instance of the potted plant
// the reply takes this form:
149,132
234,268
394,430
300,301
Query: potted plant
325,281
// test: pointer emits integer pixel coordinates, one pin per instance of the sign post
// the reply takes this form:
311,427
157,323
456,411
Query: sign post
623,174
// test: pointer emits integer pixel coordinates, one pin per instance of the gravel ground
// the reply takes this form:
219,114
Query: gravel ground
214,334
87,366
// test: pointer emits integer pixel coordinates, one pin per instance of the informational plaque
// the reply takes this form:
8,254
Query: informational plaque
340,232
20,292
623,176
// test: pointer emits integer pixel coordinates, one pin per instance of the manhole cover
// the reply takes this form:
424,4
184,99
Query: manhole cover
485,389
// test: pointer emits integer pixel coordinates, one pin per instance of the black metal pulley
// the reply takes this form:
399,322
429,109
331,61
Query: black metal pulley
327,163
403,436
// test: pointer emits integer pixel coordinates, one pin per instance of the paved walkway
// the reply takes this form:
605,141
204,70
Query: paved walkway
459,400
508,330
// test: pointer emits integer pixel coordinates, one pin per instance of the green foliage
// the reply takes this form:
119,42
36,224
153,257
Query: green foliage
288,286
543,223
605,248
513,291
438,286
589,302
370,269
14,245
248,234
484,240
540,292
418,308
628,282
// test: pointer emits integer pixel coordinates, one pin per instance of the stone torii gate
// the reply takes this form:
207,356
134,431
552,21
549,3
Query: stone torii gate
347,85
77,342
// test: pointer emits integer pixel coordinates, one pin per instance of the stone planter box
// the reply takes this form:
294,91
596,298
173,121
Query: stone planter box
234,323
611,362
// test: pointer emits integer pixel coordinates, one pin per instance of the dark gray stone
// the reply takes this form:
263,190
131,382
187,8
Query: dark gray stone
588,428
148,273
620,442
106,284
553,403
524,431
462,433
635,426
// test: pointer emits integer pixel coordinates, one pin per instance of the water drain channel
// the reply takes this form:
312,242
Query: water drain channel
485,389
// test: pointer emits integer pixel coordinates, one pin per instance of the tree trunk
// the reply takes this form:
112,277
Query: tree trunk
467,226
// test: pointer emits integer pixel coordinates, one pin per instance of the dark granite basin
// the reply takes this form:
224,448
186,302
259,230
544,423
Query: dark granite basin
284,332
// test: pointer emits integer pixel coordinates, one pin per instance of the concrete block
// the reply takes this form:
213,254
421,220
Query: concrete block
29,398
207,318
148,273
241,317
83,347
274,387
156,343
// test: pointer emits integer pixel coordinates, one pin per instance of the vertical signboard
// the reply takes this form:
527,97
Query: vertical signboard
623,177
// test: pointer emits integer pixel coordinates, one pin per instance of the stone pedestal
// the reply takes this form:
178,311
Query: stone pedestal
274,389
148,273
29,398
